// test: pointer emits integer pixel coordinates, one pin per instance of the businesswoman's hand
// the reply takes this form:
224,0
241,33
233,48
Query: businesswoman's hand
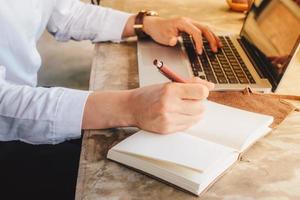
170,107
166,31
161,108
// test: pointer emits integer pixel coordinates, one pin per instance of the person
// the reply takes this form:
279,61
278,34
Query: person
38,115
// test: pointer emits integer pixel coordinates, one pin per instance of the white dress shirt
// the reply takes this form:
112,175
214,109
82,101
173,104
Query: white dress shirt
45,115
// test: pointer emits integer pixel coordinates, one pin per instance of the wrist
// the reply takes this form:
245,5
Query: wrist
129,27
141,25
108,109
127,108
120,111
148,21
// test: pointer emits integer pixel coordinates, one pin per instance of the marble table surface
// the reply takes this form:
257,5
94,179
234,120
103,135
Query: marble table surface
269,170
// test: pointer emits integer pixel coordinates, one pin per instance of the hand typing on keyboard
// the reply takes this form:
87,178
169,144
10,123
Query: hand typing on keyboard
166,31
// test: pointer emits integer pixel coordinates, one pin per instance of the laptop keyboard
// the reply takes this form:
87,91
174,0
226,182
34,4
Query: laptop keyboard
224,67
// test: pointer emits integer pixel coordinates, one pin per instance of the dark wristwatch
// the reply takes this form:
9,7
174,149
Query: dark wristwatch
139,22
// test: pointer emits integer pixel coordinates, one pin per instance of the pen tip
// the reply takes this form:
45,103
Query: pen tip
155,62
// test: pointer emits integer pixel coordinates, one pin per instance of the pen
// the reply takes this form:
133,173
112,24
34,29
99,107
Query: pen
167,72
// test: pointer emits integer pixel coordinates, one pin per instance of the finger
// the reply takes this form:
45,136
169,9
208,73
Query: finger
277,60
188,27
272,57
192,91
220,45
209,85
187,121
190,107
239,1
217,39
179,123
173,41
213,42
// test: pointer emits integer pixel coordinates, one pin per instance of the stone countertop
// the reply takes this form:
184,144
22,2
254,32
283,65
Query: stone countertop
269,170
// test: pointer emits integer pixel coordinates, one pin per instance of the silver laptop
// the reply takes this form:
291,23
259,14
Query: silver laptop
258,57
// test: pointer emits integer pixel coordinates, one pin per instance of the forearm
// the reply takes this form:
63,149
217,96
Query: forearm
128,29
107,109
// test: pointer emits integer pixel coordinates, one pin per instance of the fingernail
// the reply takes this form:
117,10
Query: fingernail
220,44
200,52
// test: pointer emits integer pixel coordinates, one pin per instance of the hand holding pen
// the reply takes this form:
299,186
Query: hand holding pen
167,107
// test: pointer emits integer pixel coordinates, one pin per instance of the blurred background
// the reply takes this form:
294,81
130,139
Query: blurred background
66,64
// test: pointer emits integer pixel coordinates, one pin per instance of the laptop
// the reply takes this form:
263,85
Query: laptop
258,57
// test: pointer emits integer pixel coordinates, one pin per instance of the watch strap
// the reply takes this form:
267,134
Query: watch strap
139,23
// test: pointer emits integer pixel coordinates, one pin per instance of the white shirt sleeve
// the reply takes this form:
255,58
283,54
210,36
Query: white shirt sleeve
72,19
39,115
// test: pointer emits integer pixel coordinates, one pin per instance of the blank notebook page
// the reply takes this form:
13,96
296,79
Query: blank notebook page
178,148
227,125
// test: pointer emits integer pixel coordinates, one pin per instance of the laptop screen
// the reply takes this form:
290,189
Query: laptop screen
272,33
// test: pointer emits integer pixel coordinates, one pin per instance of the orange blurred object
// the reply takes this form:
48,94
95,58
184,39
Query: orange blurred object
239,5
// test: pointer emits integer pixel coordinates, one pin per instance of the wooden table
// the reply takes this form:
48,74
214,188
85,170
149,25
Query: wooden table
269,170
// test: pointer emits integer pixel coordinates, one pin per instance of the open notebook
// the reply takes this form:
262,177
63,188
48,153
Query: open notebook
195,158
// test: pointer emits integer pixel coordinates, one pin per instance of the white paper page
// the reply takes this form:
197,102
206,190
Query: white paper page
259,134
179,148
227,125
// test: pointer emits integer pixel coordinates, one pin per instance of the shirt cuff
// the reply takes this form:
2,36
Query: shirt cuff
114,25
68,123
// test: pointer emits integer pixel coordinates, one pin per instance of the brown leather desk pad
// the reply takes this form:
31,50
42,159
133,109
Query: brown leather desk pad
269,104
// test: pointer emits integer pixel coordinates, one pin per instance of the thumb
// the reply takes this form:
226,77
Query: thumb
173,41
209,85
